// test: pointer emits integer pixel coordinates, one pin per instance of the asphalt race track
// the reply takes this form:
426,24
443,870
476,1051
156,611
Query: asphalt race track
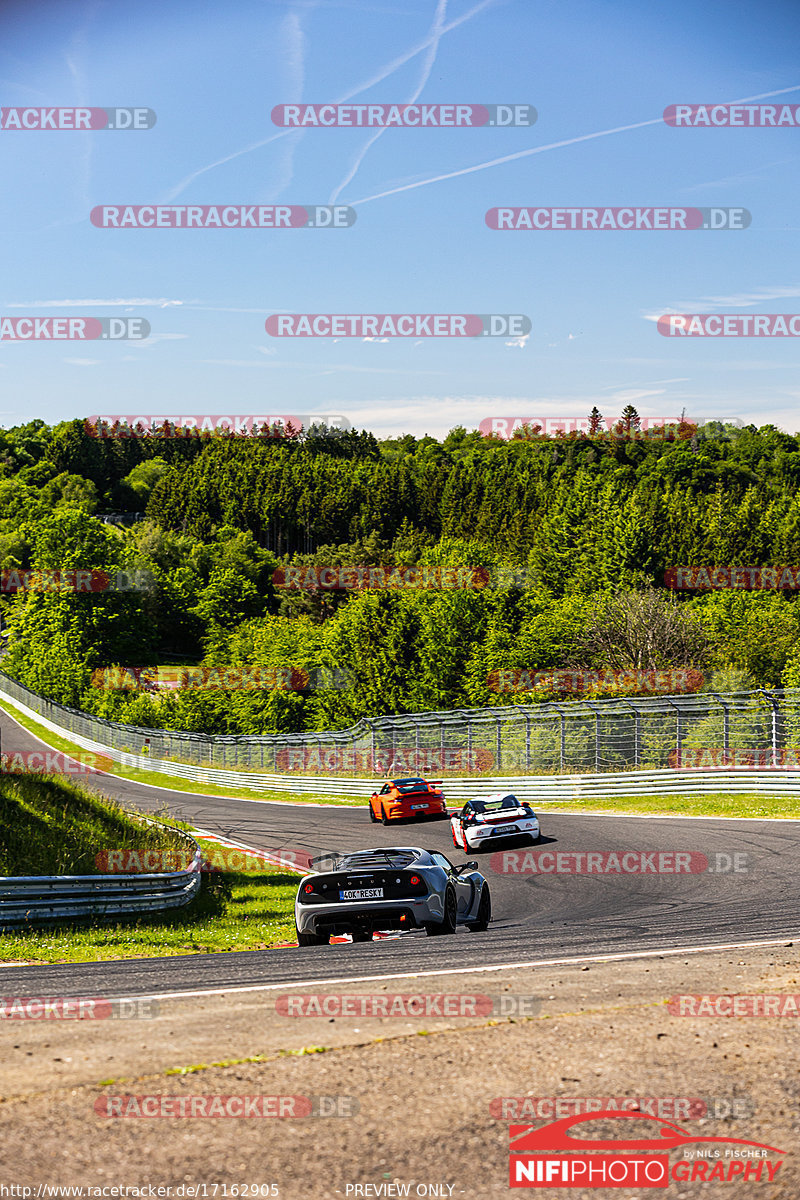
536,917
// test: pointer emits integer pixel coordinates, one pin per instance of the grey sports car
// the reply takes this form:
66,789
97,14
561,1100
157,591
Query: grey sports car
403,887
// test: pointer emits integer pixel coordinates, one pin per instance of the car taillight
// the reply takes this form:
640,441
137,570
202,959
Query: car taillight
308,888
414,880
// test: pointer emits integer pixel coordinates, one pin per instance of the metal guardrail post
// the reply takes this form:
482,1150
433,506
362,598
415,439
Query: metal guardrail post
596,712
563,722
678,734
774,705
636,733
726,722
499,747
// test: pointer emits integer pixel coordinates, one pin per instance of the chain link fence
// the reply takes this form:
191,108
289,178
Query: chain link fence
760,728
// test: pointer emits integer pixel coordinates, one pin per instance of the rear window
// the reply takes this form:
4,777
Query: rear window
393,859
506,802
410,785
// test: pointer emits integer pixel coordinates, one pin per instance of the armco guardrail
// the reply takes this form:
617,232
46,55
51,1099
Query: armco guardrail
33,899
757,719
614,734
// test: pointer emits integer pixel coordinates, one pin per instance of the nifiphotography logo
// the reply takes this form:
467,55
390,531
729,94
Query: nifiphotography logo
551,1156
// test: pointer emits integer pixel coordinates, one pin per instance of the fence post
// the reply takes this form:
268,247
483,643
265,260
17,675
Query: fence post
636,733
726,724
499,754
596,712
774,705
526,715
563,722
677,731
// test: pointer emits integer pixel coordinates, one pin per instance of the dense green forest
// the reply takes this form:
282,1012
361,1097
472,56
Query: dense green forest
573,534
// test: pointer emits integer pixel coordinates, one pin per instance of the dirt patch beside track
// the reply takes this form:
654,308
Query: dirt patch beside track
424,1103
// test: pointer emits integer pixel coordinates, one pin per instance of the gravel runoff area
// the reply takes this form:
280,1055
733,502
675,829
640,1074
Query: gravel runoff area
410,1097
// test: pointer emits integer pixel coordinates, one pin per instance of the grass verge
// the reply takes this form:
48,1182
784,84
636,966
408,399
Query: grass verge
718,804
49,826
232,912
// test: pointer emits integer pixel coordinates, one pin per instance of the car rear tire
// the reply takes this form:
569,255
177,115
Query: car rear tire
372,816
384,818
484,913
313,939
448,925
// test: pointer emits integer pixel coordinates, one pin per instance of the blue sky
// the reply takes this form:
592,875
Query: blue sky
214,71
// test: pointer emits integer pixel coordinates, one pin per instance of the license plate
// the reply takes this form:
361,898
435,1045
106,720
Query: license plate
361,894
419,806
506,829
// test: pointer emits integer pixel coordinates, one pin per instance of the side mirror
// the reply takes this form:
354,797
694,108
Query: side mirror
467,866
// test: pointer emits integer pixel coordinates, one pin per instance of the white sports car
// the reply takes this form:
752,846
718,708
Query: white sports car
482,823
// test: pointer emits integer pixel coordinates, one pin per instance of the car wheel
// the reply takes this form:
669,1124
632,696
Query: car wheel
455,842
537,839
448,925
384,818
313,939
484,913
372,816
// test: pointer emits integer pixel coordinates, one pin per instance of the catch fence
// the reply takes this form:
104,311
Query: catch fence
758,728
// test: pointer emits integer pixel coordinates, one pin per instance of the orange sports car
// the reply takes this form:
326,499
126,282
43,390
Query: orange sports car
401,799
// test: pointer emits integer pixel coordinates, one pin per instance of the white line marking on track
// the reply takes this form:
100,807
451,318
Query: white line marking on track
517,966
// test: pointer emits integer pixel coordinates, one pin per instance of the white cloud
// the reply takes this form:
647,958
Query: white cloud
735,300
137,303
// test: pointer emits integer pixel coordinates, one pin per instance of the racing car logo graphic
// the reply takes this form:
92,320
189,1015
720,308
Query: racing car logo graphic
603,1162
556,1136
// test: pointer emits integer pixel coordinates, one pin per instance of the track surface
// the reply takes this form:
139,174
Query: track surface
535,917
